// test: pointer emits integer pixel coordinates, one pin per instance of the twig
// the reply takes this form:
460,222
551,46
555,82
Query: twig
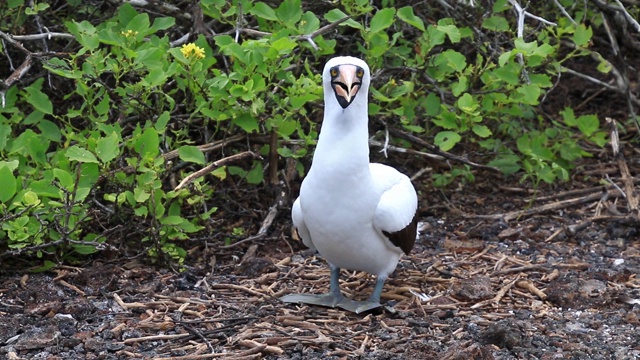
528,285
238,287
46,35
199,335
403,150
496,299
628,16
418,141
519,269
590,78
564,12
308,38
544,208
155,337
279,203
627,179
216,164
323,30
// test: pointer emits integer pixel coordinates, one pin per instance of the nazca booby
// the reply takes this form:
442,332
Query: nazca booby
358,215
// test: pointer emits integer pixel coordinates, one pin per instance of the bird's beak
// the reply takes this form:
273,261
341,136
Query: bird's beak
346,81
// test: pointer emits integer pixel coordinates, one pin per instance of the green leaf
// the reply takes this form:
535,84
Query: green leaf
76,153
455,60
148,143
309,23
49,130
85,33
191,154
140,195
255,175
588,124
172,220
582,36
447,120
452,32
284,45
48,265
604,66
220,173
446,140
89,175
504,57
5,132
65,178
510,73
289,12
406,14
263,11
481,130
459,87
247,122
524,144
508,164
568,116
432,104
162,23
337,14
8,181
467,103
39,100
140,24
541,80
15,3
382,20
30,198
107,147
531,93
162,121
495,23
600,138
84,249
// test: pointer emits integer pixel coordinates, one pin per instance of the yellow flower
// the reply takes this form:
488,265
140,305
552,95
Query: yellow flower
192,51
129,33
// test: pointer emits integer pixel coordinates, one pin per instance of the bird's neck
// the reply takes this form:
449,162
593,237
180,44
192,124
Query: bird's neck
343,144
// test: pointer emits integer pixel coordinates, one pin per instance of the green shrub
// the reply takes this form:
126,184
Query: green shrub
134,112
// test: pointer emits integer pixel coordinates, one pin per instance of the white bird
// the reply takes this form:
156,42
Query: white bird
358,215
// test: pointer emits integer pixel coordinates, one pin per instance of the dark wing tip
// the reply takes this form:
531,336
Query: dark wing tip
405,238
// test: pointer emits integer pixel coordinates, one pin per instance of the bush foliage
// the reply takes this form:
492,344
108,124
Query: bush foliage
98,133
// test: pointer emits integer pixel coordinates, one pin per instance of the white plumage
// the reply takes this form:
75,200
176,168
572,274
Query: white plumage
359,216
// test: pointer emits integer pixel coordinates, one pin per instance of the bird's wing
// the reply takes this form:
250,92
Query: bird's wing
298,221
395,215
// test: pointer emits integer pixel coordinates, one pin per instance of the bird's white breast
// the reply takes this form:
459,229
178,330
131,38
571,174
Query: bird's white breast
339,213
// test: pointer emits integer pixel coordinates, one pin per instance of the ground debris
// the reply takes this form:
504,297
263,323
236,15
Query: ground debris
471,289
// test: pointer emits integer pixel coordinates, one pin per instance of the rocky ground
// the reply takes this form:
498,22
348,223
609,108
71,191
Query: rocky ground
498,273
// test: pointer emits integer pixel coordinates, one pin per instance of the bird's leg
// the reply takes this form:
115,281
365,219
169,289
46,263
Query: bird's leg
331,299
377,291
362,306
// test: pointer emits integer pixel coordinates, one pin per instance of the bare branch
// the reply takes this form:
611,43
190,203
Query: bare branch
564,12
47,35
628,16
214,165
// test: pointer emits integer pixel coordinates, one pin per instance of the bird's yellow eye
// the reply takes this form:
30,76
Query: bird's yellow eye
334,72
360,73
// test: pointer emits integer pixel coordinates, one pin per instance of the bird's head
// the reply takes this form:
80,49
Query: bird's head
346,78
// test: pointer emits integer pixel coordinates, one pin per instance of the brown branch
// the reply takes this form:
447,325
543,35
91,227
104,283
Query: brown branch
416,140
279,203
214,165
546,207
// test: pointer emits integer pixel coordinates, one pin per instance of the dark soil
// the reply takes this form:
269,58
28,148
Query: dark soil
473,288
